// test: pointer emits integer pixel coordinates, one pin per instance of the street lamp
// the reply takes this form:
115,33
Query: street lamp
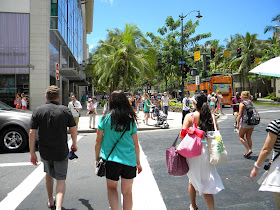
182,45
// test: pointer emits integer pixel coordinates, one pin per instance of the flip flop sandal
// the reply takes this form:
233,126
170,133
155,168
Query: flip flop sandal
248,154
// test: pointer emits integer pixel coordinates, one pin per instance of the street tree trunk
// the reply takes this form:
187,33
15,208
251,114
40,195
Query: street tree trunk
124,75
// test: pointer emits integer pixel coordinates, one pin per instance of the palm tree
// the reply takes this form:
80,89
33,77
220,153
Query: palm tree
276,28
125,53
249,45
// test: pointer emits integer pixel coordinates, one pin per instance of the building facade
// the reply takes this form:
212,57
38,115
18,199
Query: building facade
38,36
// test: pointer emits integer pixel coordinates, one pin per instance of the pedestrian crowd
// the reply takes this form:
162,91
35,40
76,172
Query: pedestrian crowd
117,141
21,101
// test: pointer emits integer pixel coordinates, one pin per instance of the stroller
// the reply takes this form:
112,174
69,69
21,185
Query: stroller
160,117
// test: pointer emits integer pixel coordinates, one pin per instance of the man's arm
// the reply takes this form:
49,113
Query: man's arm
32,140
73,131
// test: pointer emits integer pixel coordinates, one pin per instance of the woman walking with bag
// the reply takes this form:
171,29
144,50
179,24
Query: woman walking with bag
203,176
147,106
242,125
270,179
119,121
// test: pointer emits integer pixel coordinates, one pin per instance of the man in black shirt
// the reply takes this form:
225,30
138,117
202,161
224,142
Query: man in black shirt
52,121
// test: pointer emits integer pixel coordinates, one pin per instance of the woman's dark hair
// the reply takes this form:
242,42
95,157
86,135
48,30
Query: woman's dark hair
121,111
206,122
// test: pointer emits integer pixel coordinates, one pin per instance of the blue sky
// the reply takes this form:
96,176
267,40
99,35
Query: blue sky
220,17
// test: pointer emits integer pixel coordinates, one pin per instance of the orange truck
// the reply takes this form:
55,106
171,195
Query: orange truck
214,84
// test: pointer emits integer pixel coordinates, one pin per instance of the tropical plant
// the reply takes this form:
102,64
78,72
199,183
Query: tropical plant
274,28
122,57
168,46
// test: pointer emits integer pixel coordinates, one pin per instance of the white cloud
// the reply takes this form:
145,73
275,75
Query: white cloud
108,1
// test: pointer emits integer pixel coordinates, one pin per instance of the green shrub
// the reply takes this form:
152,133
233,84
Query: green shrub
103,102
270,96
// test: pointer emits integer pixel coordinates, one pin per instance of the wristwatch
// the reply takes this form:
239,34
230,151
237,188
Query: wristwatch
255,165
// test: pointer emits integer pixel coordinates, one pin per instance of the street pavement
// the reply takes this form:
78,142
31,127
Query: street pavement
22,185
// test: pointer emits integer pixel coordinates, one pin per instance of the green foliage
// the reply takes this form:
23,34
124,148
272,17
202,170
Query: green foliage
174,103
122,58
270,96
103,102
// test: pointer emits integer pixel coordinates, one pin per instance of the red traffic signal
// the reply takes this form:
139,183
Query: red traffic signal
212,53
238,52
252,59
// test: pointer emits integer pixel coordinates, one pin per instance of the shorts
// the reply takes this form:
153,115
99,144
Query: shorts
24,107
56,169
116,170
146,112
212,104
245,125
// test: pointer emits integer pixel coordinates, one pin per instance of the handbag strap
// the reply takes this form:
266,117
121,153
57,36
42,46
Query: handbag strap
276,156
214,121
193,121
115,145
175,142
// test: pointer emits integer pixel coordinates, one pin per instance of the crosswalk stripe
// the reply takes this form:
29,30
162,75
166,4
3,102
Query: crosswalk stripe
14,198
145,191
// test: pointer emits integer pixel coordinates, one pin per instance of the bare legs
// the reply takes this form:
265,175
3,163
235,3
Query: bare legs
126,188
209,198
60,191
192,193
112,190
146,118
248,141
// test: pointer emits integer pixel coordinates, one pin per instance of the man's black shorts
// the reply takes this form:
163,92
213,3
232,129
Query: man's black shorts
115,170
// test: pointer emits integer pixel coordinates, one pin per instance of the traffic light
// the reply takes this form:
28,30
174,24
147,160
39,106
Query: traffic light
238,52
252,59
185,71
212,53
206,62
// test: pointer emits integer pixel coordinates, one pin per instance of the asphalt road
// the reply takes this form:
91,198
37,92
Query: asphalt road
86,191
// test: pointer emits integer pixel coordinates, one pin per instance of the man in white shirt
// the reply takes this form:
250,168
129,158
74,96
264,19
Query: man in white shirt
165,103
74,105
186,105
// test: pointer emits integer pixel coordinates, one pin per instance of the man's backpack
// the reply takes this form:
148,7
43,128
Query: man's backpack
251,116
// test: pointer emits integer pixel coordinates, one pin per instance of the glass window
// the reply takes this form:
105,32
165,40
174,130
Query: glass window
223,87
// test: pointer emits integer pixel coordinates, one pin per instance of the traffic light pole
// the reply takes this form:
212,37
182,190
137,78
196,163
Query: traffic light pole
182,57
182,46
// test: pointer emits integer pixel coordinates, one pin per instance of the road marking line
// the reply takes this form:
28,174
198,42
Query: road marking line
269,111
145,191
15,197
16,164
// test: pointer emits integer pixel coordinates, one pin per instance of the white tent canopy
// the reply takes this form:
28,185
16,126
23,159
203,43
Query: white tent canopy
269,68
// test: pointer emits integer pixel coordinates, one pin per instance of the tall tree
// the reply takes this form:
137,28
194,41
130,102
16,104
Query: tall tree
168,45
274,28
125,53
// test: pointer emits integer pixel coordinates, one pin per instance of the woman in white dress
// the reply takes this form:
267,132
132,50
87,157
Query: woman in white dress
270,180
203,177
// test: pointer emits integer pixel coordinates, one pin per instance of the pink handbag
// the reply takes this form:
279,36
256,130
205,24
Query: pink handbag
175,163
191,145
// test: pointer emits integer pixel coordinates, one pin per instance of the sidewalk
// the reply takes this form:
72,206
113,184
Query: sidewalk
269,101
174,120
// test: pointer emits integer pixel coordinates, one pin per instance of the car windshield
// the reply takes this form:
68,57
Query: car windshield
4,106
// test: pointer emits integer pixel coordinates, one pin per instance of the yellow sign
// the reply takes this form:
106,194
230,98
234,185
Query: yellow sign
226,53
257,60
197,56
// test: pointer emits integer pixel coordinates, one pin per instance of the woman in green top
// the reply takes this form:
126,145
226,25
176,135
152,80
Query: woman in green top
125,158
147,105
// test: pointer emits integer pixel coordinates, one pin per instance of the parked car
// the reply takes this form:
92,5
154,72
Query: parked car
14,128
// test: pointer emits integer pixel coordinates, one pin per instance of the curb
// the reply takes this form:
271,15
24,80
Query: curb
95,130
